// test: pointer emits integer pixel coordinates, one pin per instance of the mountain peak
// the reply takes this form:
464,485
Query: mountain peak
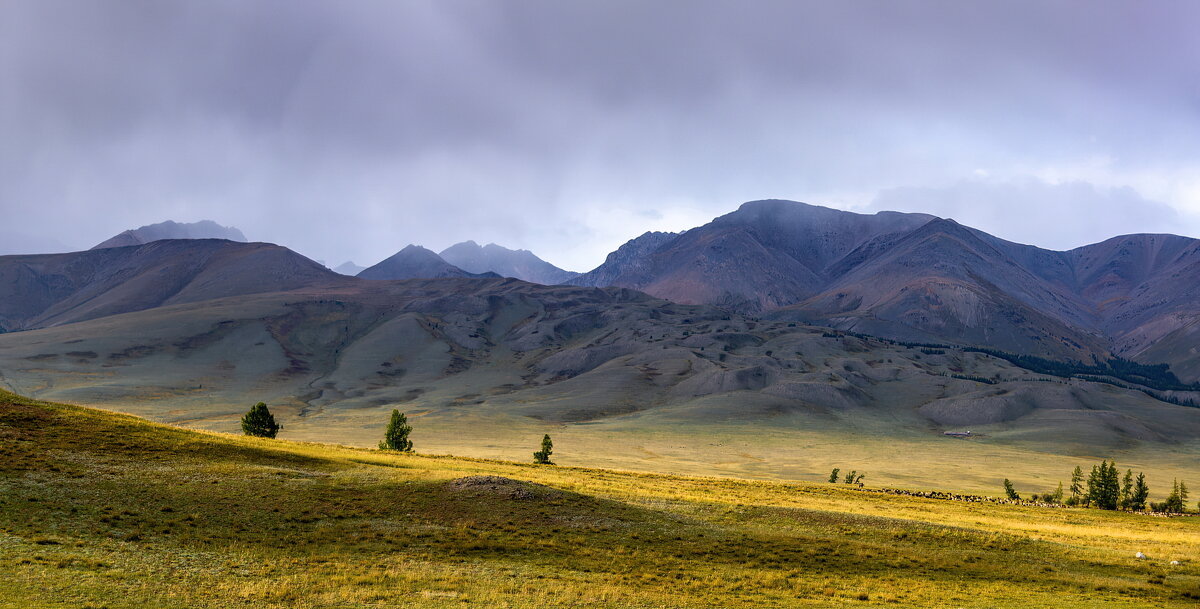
521,264
417,262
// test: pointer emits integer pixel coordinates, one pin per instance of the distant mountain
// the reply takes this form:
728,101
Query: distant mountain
765,255
204,229
416,262
349,268
921,278
521,264
52,289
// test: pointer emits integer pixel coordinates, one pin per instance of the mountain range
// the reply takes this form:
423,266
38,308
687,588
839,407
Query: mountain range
904,276
43,290
776,318
916,277
416,262
519,264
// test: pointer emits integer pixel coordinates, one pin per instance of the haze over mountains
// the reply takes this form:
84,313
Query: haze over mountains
204,229
416,262
520,264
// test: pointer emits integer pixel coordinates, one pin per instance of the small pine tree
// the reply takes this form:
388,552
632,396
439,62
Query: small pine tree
260,422
1137,501
1174,502
396,436
833,476
1094,485
1077,482
1057,497
543,456
1009,490
1127,489
849,479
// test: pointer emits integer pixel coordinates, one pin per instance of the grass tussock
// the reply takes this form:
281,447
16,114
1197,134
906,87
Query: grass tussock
105,510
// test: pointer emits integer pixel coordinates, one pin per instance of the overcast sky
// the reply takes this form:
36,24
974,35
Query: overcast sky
346,130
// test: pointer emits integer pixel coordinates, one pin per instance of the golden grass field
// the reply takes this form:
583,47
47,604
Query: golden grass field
105,510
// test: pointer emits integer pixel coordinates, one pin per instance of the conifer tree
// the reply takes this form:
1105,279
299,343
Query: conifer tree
1077,482
1094,486
1057,497
259,421
1127,489
833,476
1141,492
1009,490
543,456
1111,497
396,436
1174,502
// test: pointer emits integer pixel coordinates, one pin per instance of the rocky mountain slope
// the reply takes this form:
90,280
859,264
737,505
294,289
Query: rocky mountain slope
629,259
53,289
919,278
520,264
416,262
204,229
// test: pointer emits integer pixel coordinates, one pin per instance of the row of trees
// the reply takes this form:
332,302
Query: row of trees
851,478
259,422
1106,488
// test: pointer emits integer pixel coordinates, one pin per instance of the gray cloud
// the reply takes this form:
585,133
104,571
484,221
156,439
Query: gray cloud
347,130
1055,216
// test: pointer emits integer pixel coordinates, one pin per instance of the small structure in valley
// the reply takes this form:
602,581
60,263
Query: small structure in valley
958,434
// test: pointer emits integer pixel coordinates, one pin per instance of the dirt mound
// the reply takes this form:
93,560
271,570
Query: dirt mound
499,486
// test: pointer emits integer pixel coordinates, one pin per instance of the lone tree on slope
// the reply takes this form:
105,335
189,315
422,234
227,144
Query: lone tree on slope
396,436
543,456
1009,490
260,422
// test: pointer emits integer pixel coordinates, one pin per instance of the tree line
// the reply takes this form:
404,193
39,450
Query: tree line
1154,376
1106,488
259,422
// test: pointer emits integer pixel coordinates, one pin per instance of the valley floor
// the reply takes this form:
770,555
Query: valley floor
105,510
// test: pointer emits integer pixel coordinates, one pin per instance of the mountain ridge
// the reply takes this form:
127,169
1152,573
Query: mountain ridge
204,229
520,264
416,262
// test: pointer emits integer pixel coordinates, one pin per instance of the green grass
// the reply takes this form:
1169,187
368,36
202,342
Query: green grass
105,510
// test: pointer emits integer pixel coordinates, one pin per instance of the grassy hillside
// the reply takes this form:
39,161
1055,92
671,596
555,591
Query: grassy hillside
484,368
105,510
